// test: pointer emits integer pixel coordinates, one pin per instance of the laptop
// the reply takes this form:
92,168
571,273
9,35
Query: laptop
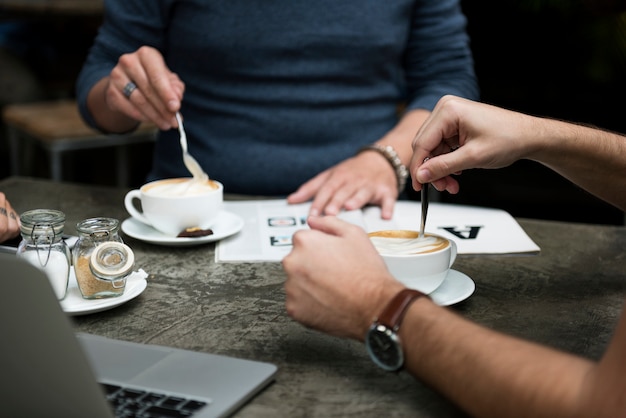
49,370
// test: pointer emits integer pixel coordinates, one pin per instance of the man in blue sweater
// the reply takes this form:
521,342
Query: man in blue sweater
280,98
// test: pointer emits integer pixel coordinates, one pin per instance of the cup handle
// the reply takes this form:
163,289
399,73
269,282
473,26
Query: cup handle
453,253
128,202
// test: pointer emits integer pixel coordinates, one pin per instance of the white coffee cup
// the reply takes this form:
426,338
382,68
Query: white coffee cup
173,205
419,263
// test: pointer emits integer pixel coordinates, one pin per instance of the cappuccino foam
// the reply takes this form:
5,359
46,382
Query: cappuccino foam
179,187
406,242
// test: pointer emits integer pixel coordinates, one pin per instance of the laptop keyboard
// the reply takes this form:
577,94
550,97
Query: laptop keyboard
129,402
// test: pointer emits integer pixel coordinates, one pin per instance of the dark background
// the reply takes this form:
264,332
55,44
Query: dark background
564,59
558,58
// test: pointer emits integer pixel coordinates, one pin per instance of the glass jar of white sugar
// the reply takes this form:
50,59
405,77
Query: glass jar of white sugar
42,245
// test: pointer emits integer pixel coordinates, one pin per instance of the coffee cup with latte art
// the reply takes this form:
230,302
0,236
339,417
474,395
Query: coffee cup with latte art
420,263
173,205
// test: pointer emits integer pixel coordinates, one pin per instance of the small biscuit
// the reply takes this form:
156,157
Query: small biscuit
195,232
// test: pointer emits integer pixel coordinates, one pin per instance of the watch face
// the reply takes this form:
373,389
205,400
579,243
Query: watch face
384,348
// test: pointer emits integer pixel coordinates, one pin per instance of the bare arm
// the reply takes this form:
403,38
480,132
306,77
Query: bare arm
592,158
493,375
338,284
485,136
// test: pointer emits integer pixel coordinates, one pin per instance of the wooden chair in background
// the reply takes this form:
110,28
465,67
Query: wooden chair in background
57,127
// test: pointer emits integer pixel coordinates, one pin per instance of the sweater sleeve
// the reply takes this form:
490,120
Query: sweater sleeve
128,24
438,59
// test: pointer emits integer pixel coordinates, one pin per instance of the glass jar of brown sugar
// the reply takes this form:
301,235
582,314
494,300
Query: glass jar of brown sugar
102,261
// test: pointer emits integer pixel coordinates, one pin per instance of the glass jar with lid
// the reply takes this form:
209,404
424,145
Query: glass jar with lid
102,261
42,245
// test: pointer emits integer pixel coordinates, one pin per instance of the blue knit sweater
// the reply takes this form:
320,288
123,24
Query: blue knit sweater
279,90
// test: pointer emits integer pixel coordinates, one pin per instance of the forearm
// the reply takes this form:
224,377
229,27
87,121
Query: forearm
401,136
591,158
107,119
490,374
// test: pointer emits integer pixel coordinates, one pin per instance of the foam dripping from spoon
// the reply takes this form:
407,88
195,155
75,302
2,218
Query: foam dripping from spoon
192,165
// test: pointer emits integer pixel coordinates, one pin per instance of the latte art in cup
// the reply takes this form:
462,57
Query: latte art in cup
402,242
179,187
420,263
177,204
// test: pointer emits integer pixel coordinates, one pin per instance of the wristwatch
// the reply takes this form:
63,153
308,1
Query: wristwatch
382,340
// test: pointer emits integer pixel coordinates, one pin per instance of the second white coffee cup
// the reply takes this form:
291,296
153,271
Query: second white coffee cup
173,205
418,265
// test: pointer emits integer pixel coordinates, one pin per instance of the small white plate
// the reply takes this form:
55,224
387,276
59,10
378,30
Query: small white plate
226,224
455,288
74,304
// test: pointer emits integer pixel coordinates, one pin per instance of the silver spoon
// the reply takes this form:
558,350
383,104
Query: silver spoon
190,162
424,198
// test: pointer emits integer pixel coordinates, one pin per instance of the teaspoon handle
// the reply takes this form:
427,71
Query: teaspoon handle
424,198
181,130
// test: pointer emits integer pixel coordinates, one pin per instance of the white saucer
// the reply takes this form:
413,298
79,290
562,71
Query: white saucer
455,288
74,304
226,224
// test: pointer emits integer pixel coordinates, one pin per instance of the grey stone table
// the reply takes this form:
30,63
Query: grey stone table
568,297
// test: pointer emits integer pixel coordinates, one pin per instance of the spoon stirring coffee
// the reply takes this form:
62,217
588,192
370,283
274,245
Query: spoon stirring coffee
190,162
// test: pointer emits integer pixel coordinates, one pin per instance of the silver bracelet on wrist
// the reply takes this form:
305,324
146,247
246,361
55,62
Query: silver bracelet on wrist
392,156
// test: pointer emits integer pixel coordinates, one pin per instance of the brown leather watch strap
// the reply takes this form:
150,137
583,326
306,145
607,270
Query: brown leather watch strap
394,312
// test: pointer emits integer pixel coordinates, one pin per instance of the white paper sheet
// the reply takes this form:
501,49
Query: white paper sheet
269,225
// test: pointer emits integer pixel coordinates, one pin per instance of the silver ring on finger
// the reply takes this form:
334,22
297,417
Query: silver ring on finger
129,88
